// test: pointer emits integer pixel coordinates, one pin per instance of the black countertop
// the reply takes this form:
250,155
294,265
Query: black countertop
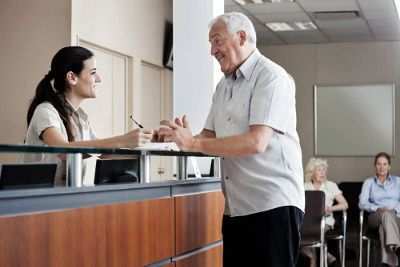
21,148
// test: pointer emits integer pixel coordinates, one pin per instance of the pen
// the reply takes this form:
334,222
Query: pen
138,124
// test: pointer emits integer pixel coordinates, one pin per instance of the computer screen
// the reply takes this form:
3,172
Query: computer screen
110,171
27,175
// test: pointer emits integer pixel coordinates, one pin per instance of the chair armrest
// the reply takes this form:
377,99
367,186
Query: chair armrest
361,237
323,225
361,221
344,223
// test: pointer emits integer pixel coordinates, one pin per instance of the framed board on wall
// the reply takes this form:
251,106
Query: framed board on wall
354,120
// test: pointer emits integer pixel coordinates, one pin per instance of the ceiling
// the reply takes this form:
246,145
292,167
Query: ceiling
377,20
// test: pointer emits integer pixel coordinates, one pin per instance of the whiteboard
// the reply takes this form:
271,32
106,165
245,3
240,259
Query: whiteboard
354,120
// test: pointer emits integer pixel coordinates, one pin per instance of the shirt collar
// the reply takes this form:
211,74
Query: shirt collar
79,111
323,185
388,179
247,67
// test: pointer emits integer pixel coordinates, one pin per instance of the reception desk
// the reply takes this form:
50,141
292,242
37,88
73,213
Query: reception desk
171,223
160,224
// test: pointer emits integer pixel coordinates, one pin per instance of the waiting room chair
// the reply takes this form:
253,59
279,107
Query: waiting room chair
313,230
351,192
339,234
366,235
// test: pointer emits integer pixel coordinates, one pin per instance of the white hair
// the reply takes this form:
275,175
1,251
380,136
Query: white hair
235,22
312,165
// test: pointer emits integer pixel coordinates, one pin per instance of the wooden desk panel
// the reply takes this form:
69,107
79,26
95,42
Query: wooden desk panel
128,234
198,220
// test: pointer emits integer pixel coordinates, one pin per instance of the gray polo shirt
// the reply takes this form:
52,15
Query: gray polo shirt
263,93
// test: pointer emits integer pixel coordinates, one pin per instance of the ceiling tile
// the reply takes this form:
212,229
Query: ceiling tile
297,37
267,38
229,2
379,20
385,30
328,5
374,9
345,30
283,17
233,8
268,8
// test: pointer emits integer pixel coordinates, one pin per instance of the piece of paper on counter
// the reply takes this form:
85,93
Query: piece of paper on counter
167,146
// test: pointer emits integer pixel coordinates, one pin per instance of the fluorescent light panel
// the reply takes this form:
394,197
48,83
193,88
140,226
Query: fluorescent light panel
279,26
291,26
305,26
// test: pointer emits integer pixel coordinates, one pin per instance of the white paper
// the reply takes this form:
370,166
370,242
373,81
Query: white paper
196,168
167,146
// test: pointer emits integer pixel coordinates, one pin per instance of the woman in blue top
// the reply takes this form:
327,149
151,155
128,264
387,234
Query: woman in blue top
380,195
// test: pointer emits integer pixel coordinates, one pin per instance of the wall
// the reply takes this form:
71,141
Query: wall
195,71
131,27
31,31
134,28
344,63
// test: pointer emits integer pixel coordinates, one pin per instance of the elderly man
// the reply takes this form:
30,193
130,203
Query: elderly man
252,126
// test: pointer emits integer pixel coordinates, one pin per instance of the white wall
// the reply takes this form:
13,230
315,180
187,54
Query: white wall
196,73
344,63
31,31
195,70
134,28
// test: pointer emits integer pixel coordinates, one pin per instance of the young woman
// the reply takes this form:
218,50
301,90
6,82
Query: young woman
380,195
55,118
316,179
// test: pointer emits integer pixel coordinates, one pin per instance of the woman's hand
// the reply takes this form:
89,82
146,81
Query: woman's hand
382,210
328,210
135,138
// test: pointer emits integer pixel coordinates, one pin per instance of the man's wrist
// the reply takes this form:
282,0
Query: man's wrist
196,145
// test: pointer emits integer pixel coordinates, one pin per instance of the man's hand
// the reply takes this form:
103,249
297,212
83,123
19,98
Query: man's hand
177,131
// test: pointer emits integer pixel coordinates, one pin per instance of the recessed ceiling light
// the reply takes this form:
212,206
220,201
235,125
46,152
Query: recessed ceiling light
305,26
279,26
240,2
291,26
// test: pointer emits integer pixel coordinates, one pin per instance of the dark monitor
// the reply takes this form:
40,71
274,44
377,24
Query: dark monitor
112,171
27,175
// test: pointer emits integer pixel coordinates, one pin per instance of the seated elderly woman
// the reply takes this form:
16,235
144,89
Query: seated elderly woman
380,195
316,179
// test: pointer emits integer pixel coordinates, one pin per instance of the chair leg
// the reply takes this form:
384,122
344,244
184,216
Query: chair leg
360,258
343,259
326,255
341,252
368,251
321,255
